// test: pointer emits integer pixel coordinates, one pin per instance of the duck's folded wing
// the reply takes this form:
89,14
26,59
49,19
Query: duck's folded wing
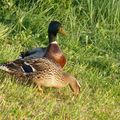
17,67
12,67
34,53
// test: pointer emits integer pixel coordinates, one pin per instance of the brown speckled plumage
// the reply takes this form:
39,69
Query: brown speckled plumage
43,73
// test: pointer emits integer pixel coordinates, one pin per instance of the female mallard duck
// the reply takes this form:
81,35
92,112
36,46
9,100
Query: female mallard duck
42,72
54,53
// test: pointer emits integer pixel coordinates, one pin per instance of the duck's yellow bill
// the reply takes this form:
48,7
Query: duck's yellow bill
62,31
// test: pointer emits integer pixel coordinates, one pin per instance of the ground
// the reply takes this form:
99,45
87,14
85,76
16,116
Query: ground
92,49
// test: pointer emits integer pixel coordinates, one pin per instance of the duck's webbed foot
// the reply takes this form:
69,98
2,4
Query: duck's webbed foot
40,89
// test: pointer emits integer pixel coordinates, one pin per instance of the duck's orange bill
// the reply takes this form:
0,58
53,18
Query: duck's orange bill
62,31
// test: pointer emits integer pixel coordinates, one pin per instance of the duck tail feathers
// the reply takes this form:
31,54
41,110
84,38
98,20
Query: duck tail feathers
5,68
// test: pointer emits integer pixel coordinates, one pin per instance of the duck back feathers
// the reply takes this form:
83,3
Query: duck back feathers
42,72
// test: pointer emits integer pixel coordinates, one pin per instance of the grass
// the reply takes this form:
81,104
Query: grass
92,49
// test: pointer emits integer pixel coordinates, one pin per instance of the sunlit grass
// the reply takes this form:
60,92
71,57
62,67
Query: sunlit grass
92,49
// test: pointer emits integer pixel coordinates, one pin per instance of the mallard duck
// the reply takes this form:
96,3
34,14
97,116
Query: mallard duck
54,53
42,72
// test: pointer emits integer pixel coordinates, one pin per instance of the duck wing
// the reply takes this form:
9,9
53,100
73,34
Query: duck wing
27,66
18,67
34,53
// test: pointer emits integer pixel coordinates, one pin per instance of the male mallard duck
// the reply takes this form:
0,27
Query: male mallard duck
42,72
54,52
